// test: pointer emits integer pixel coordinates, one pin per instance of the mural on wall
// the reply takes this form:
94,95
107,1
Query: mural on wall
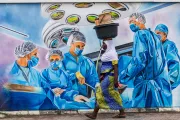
44,63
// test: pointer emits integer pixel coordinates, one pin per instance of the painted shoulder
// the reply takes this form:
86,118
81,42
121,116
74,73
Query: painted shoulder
35,71
88,60
44,70
146,31
171,43
11,69
65,55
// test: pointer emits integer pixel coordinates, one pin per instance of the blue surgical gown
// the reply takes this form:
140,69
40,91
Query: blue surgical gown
21,100
87,69
60,79
173,62
148,70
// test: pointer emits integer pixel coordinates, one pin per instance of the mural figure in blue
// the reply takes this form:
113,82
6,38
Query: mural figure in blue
172,56
25,89
81,69
61,84
147,67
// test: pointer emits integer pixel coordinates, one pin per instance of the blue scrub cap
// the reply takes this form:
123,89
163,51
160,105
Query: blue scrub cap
162,28
25,49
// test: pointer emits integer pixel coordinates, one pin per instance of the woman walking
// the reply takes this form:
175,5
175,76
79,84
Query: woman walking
107,95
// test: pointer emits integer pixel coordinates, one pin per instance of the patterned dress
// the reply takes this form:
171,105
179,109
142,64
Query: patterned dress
106,95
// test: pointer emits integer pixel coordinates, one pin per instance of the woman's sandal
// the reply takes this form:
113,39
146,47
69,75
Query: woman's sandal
90,116
119,116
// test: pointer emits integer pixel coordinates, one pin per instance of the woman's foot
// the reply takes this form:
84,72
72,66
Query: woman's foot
91,115
119,116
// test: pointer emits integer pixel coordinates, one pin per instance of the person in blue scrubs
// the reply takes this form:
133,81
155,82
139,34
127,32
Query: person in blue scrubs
59,79
147,67
23,75
172,56
61,83
22,71
81,69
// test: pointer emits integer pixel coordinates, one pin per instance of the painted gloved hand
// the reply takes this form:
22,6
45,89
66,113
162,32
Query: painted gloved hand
58,91
80,78
80,98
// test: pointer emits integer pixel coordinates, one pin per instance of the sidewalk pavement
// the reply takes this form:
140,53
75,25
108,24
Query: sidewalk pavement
132,113
101,116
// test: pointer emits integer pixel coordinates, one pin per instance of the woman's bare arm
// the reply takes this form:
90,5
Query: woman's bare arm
115,65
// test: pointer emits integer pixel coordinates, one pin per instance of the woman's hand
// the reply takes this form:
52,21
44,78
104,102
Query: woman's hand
116,83
115,65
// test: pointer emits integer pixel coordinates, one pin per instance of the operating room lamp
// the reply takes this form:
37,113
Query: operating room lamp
72,15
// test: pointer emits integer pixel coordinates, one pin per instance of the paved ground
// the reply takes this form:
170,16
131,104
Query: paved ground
130,116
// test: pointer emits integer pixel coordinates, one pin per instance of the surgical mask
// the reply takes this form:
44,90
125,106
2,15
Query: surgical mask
134,27
33,62
159,36
56,64
78,51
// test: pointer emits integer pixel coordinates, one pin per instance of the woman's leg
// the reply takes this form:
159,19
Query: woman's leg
121,114
94,114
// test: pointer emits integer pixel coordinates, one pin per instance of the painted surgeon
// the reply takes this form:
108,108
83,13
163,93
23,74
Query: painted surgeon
147,68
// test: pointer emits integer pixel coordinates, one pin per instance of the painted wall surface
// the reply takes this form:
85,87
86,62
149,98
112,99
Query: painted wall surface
27,22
